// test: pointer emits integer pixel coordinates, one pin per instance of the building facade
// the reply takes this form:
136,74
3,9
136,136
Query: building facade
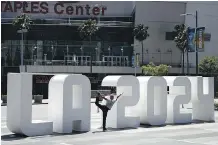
53,43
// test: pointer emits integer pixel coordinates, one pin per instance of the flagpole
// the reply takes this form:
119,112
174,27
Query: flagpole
196,41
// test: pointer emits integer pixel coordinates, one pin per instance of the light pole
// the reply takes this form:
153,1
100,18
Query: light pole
52,49
122,61
122,51
196,26
67,54
109,50
134,55
67,51
81,48
34,59
45,58
96,53
33,49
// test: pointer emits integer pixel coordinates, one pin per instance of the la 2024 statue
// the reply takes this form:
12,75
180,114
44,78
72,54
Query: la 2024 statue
145,101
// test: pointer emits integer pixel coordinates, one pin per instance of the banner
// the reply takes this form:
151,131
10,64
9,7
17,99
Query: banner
200,38
191,39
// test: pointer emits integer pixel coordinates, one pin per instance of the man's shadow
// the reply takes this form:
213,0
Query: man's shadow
110,129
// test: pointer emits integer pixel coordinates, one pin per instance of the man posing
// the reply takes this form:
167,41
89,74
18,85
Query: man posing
105,108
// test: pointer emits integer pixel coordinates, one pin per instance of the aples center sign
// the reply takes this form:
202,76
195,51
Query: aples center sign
145,99
59,8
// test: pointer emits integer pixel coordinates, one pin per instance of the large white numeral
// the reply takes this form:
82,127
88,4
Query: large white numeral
179,93
203,98
19,107
152,106
69,101
117,116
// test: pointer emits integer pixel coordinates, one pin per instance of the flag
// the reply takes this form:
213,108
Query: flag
191,39
200,38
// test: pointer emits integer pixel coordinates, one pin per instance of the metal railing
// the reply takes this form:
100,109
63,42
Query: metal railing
80,62
71,22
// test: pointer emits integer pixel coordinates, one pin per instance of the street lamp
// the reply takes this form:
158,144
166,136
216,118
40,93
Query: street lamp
122,51
52,49
45,58
196,26
81,48
33,49
109,50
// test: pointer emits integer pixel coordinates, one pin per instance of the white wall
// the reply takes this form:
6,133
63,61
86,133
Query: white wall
208,18
160,17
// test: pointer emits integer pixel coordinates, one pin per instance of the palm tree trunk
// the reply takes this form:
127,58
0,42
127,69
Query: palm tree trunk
142,56
142,53
183,62
187,59
91,63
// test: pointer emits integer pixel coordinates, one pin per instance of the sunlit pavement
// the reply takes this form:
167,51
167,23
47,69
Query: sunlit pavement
192,134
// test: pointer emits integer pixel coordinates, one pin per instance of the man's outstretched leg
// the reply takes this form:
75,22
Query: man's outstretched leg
97,103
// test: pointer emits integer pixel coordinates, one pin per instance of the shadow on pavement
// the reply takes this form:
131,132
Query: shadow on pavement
39,103
10,137
151,126
177,124
109,129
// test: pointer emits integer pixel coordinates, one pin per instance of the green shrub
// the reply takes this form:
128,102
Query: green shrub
209,65
216,105
152,70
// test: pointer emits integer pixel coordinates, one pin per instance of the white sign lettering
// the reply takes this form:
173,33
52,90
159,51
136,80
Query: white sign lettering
145,100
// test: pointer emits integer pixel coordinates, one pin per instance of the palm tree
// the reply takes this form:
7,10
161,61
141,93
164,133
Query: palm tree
182,42
141,33
88,29
22,24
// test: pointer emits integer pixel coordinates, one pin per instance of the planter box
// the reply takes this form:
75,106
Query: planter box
38,99
4,98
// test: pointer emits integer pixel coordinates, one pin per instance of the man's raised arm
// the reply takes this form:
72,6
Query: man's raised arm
102,95
119,96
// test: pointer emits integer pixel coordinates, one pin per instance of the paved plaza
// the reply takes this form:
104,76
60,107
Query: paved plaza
191,134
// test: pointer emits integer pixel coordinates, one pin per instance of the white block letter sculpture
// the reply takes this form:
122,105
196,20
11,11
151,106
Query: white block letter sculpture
19,107
116,116
152,106
203,98
179,93
69,103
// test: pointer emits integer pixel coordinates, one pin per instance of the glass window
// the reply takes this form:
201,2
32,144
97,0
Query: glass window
170,35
